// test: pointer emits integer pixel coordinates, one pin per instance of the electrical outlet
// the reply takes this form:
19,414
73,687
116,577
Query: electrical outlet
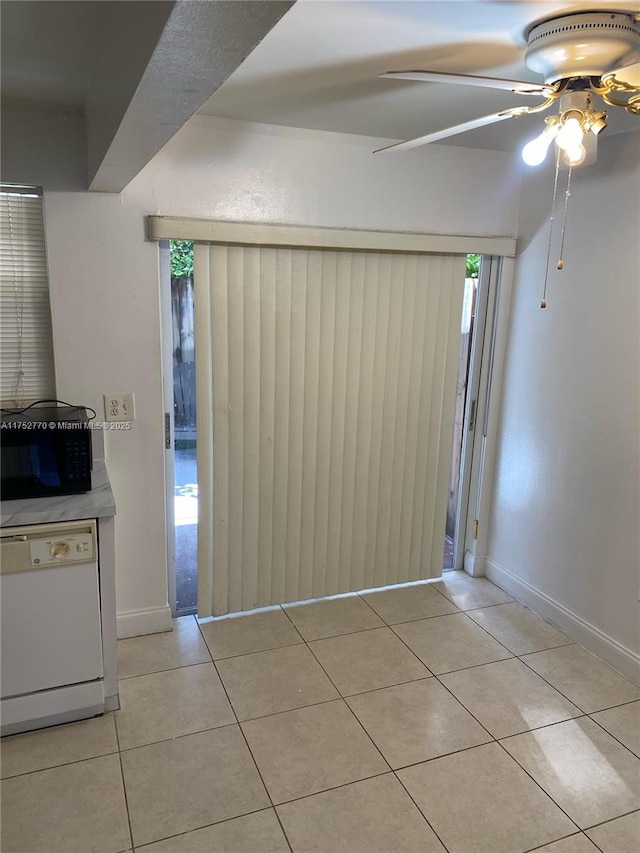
119,407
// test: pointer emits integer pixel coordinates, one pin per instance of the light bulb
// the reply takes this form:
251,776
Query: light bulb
575,155
535,151
570,135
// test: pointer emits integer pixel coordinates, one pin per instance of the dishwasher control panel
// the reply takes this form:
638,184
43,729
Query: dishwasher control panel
76,548
44,546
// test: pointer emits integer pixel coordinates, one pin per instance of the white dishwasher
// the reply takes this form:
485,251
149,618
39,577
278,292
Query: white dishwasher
51,655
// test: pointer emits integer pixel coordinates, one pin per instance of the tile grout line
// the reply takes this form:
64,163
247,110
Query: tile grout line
525,731
608,708
141,847
204,640
610,820
476,606
482,606
614,707
180,666
494,740
253,758
395,775
124,784
557,841
587,829
580,716
343,699
533,651
330,636
535,781
391,770
239,726
453,696
448,672
583,715
388,686
328,702
598,723
443,755
409,794
421,662
332,788
62,764
179,737
170,669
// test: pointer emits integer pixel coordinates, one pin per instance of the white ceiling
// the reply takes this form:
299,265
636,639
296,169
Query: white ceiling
318,68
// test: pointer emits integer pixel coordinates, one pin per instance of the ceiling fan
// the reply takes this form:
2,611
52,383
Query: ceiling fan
581,56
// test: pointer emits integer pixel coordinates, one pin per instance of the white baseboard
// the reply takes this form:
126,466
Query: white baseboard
134,623
474,565
626,661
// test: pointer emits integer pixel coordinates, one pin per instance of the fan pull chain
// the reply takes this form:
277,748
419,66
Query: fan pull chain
564,220
543,301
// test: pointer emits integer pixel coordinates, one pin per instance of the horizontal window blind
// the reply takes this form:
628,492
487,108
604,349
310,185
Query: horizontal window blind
26,343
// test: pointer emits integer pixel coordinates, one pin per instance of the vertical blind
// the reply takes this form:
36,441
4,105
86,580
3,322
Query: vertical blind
326,389
26,345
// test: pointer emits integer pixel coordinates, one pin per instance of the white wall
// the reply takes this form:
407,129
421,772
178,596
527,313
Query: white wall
106,330
226,169
566,507
104,277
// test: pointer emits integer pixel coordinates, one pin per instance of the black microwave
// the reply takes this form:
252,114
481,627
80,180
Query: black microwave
44,451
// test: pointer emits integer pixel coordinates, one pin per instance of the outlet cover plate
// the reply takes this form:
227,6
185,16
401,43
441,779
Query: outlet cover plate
119,407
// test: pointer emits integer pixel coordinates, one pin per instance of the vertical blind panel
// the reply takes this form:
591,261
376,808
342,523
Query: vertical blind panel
332,383
26,345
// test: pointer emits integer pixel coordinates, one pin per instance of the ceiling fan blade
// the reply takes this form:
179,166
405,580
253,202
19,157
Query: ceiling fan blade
518,86
458,128
627,76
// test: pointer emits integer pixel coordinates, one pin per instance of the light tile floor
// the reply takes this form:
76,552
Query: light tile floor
439,717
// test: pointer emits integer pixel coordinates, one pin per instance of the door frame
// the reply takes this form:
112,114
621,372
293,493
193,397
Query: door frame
166,331
482,414
479,435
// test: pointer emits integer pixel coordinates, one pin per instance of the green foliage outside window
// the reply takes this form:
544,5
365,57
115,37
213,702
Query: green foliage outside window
181,258
473,265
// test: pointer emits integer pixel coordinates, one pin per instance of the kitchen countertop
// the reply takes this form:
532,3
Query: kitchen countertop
98,503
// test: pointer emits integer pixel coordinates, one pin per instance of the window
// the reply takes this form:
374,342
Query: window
26,343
